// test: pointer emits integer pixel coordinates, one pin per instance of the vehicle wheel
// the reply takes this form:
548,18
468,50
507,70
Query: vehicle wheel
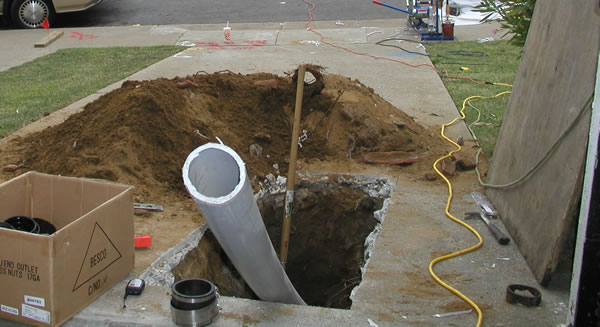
31,13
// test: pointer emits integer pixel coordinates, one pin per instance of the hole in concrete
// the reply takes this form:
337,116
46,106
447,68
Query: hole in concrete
334,224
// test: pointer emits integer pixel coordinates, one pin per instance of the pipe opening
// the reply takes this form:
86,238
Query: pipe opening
214,173
193,288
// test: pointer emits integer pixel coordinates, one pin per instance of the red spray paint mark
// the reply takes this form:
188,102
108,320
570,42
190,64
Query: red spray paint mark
232,45
81,36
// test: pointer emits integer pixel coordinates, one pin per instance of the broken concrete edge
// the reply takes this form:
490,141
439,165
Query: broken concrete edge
159,272
374,186
53,36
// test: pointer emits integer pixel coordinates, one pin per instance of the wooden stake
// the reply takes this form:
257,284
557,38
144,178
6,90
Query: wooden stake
291,180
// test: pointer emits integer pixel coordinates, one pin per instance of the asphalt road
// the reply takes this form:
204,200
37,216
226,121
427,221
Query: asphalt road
162,12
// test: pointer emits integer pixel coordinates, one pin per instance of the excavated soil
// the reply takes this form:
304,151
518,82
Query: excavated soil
327,244
141,133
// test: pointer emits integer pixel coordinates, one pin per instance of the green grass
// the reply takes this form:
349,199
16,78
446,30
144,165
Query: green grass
49,83
495,61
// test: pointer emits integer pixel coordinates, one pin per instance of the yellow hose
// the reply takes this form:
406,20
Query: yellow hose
456,220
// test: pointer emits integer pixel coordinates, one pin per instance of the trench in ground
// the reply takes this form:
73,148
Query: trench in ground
331,222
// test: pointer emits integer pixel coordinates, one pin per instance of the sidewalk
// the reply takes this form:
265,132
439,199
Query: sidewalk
396,288
17,46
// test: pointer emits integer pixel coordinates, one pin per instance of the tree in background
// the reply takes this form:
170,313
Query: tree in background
515,16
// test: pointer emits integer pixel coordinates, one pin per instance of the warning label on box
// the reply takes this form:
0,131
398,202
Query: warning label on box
100,254
34,313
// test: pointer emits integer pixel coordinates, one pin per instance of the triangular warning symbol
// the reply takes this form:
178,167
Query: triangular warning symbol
100,254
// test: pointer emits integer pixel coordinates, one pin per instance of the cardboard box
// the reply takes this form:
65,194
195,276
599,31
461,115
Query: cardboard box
45,280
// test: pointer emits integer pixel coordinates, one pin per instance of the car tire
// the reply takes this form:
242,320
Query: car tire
31,13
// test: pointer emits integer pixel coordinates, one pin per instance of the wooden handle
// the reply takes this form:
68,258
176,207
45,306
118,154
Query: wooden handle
291,181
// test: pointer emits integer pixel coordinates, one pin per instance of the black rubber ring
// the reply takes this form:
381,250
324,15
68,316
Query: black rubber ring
532,300
191,306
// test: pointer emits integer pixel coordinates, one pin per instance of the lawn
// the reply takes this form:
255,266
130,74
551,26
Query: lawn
49,83
495,61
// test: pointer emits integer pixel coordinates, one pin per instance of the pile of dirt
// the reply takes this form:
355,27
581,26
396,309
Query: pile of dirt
141,133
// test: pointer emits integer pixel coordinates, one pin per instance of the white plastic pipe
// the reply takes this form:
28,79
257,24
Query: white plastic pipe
215,176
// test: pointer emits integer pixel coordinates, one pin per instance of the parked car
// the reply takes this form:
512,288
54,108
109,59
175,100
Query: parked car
31,13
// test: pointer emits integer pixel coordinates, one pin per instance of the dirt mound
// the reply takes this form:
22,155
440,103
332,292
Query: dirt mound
141,133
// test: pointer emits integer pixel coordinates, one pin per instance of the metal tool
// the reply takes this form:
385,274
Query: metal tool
148,207
496,232
486,207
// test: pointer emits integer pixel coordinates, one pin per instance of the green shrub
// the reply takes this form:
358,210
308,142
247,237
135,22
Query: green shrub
515,16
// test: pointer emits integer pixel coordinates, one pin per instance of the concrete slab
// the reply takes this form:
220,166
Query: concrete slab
234,26
153,309
337,35
397,286
239,38
95,37
17,47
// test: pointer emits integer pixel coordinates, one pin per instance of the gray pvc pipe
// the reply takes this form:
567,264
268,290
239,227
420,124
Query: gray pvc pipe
215,176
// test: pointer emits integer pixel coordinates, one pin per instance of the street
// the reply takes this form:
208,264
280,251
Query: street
159,12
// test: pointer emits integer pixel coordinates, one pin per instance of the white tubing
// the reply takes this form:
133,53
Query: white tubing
215,176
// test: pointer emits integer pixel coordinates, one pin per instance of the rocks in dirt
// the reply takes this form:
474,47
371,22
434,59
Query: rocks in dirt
10,168
305,199
397,122
369,135
347,113
400,125
391,158
268,83
274,184
255,150
448,167
431,177
465,164
186,84
321,188
460,141
262,137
